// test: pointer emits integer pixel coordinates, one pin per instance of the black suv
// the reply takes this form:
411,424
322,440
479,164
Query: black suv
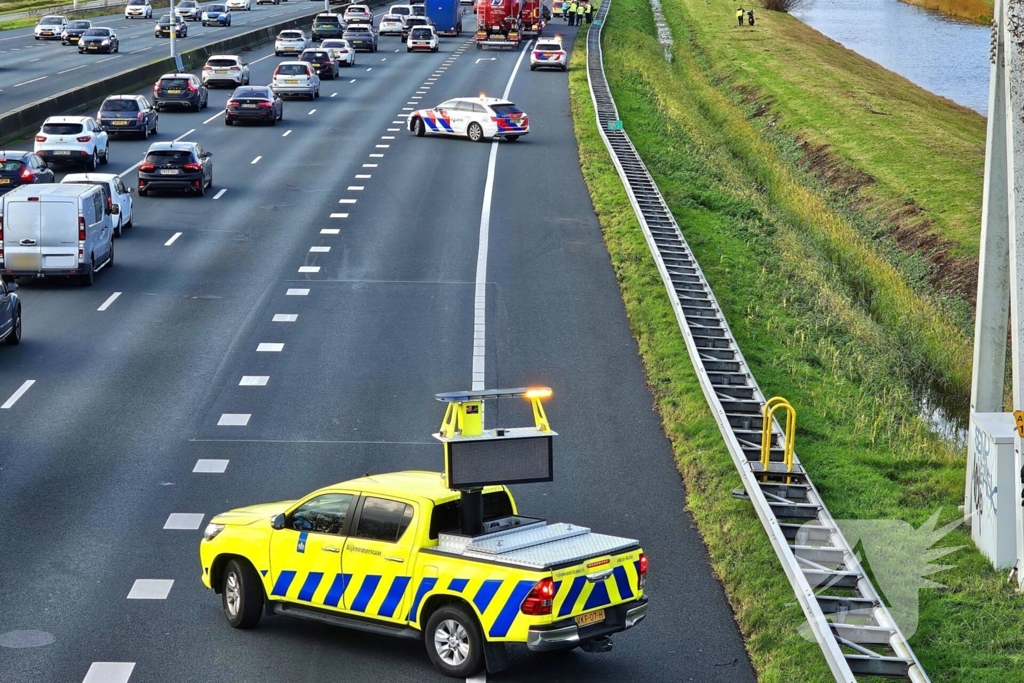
181,90
22,168
361,37
327,26
322,62
128,114
176,166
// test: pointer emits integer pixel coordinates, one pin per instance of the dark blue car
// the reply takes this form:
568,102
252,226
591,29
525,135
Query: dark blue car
19,168
216,15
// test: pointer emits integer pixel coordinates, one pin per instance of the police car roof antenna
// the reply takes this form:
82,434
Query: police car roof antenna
475,457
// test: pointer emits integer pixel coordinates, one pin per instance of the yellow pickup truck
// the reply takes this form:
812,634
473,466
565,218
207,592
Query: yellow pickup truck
385,554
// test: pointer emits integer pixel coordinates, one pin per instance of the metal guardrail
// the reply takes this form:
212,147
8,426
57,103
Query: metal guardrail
854,629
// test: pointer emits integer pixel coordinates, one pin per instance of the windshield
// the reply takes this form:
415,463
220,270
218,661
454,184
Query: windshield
62,128
120,105
189,4
307,55
79,24
98,32
221,62
402,11
549,46
169,156
334,43
46,21
360,31
326,21
216,8
165,19
293,70
506,109
136,2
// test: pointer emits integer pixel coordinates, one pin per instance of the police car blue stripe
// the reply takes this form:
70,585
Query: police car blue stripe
622,582
365,593
574,593
394,596
310,586
508,614
337,589
457,585
430,123
426,585
598,597
447,126
485,594
284,580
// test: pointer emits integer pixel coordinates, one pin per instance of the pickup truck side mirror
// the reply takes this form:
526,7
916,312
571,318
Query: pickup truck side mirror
277,522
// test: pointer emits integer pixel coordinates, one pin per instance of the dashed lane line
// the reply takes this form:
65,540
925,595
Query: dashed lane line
334,94
339,215
213,117
330,231
254,380
356,188
184,521
256,160
221,193
297,291
352,81
346,201
204,466
173,239
369,165
363,176
9,403
34,80
285,317
108,59
233,420
111,299
109,672
150,589
315,250
270,347
286,133
309,269
74,68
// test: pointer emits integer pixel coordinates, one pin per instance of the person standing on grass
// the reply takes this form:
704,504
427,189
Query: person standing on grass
580,12
750,17
739,16
572,13
590,11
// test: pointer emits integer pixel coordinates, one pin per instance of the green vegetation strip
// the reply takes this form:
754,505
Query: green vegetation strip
791,276
90,14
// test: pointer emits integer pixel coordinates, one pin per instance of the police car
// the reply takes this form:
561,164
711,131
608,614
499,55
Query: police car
478,118
549,53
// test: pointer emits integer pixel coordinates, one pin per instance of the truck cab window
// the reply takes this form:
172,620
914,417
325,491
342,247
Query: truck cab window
324,514
383,520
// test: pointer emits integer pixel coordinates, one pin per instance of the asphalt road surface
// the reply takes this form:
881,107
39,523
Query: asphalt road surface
99,452
32,70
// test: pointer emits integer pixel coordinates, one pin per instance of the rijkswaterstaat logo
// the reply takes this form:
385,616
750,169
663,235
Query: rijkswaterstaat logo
899,558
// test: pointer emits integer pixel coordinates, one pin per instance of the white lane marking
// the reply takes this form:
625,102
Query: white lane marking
387,137
369,165
286,133
297,291
270,347
339,215
363,176
210,467
171,241
34,80
410,103
108,59
254,380
125,172
355,188
233,420
376,156
285,317
311,112
334,94
150,589
74,68
109,672
256,61
393,130
352,81
416,97
406,109
346,201
17,394
256,160
329,231
383,59
111,299
397,122
369,68
187,132
142,49
319,250
480,294
478,678
213,117
421,91
184,521
309,269
220,194
382,146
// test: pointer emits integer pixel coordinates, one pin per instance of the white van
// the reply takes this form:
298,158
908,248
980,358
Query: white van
53,230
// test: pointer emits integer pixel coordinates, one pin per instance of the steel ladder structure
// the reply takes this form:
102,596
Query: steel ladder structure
849,621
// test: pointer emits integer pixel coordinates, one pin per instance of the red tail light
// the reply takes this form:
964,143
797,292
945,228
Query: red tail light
147,167
236,68
192,87
140,116
541,597
81,239
27,175
232,103
275,73
207,68
40,138
110,203
84,138
266,105
193,167
642,569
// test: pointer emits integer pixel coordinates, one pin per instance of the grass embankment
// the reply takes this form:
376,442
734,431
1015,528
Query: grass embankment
979,11
820,311
32,21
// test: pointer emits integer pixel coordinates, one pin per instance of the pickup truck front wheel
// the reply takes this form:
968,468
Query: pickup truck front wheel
242,594
454,642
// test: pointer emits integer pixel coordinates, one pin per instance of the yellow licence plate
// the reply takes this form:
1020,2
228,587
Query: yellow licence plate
174,92
5,181
120,122
23,261
594,617
291,81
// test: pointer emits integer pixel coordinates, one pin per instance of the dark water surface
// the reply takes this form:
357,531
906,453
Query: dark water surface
944,55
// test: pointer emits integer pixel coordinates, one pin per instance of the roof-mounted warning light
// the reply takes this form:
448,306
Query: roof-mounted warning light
465,414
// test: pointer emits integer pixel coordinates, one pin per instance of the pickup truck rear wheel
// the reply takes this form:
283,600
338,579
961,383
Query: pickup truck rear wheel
242,594
454,642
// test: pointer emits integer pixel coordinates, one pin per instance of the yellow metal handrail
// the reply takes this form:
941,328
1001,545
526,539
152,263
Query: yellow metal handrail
789,434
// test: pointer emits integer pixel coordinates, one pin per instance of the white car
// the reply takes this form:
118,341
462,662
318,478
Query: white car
342,52
239,4
225,70
401,10
138,9
50,27
295,78
117,193
359,14
72,140
290,42
390,25
422,38
478,118
549,53
189,10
